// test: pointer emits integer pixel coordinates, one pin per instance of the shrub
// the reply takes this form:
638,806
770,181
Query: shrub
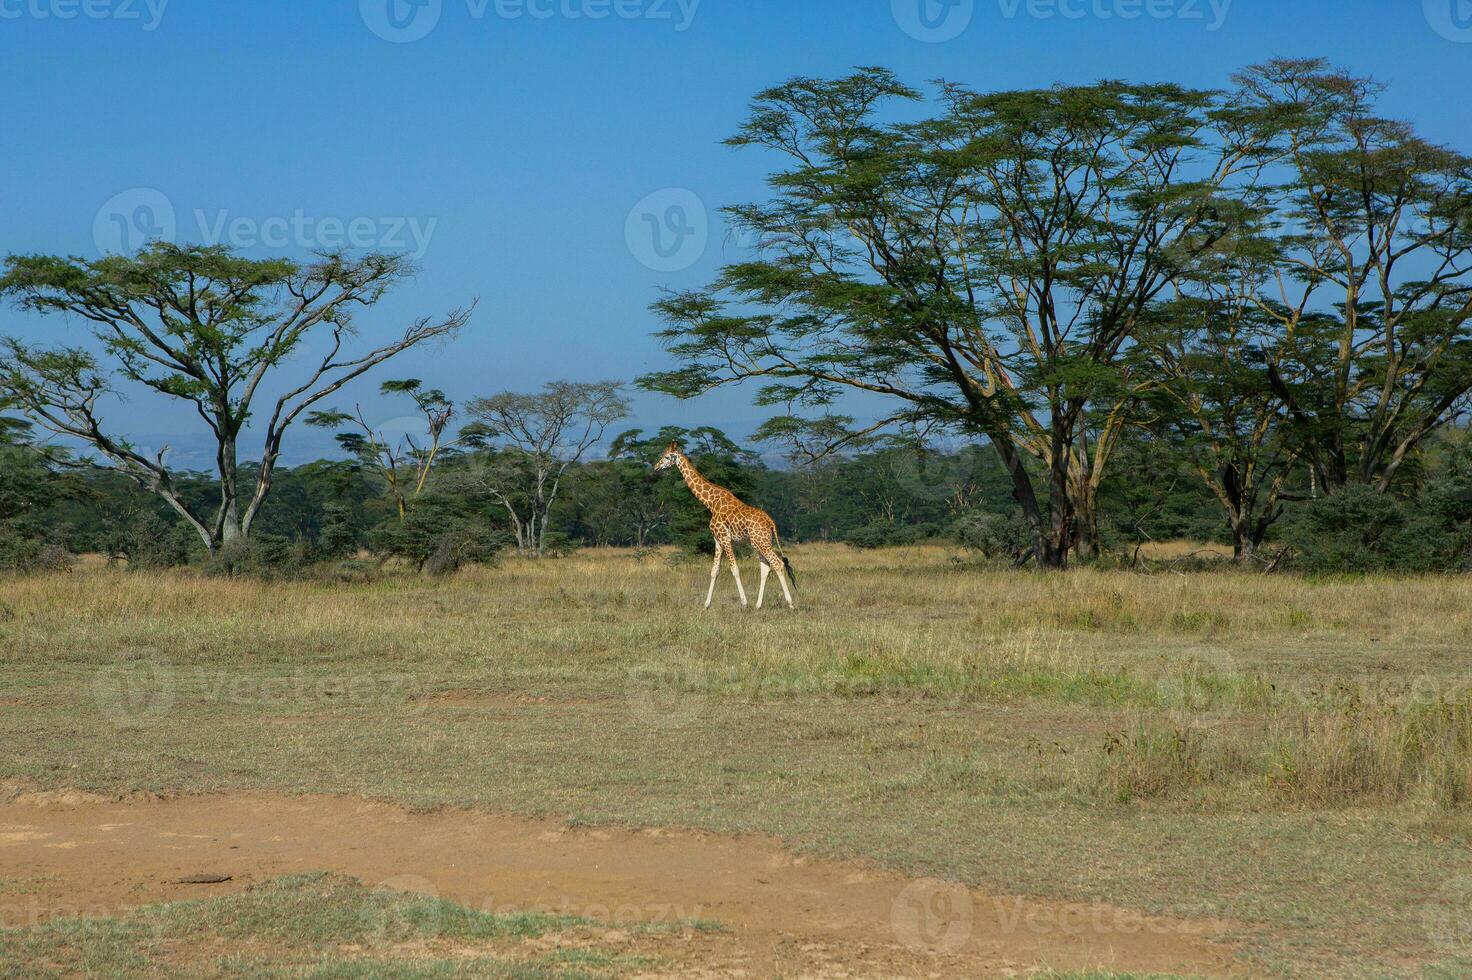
883,534
341,534
1360,529
995,536
146,540
431,539
25,547
266,556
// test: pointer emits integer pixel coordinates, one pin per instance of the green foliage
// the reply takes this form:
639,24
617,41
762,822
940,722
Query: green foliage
996,536
341,532
1049,268
881,535
438,537
27,547
263,556
146,539
29,483
203,326
1360,529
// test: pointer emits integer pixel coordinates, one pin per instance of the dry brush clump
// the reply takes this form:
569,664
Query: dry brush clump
1375,751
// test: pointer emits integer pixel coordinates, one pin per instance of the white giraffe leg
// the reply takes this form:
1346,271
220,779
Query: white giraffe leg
736,574
761,588
782,578
715,569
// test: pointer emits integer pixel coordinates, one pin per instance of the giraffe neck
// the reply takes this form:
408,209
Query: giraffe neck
704,490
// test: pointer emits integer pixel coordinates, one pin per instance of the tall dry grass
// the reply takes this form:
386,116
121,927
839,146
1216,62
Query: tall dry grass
1225,685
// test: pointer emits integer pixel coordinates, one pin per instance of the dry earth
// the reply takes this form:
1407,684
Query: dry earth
777,913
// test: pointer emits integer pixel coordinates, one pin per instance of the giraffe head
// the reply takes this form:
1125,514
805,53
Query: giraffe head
671,456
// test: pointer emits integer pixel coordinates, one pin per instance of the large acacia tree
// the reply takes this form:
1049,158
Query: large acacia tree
985,268
1365,263
208,328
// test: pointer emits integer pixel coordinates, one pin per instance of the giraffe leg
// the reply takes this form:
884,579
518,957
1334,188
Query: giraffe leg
776,563
782,579
761,588
736,574
715,570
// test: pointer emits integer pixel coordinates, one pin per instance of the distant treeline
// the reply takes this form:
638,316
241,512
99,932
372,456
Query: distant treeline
331,510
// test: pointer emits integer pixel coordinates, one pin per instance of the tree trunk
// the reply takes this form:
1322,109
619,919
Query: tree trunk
1044,547
1244,549
1084,510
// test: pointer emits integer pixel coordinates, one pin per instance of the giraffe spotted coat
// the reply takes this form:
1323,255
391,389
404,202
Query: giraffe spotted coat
732,521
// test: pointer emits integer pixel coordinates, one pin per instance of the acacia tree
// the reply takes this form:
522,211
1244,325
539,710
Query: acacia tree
208,328
403,464
1368,272
984,270
533,439
1208,356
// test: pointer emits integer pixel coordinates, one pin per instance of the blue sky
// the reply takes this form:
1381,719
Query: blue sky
518,144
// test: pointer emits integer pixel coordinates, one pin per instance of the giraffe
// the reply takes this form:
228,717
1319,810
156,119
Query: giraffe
730,521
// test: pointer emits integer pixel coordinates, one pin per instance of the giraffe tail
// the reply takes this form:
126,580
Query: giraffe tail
786,562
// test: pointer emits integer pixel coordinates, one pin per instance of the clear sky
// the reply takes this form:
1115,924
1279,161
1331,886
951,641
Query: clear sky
514,145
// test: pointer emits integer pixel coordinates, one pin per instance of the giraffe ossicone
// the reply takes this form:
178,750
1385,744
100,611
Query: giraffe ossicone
731,520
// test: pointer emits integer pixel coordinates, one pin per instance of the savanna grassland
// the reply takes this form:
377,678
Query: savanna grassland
1287,755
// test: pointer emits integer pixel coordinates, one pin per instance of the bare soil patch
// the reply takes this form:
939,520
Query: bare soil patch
779,913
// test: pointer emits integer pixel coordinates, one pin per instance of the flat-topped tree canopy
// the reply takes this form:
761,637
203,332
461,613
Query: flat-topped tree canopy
983,267
205,326
987,261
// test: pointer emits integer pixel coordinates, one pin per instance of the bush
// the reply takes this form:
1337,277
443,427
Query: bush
265,556
432,540
996,536
882,534
146,540
350,571
26,548
1360,529
341,534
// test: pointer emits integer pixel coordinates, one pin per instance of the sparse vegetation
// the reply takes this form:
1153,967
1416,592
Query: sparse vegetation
310,925
1222,744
